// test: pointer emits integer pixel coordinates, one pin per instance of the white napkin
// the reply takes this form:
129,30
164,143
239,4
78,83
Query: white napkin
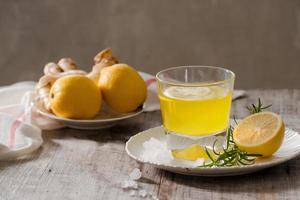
21,125
18,133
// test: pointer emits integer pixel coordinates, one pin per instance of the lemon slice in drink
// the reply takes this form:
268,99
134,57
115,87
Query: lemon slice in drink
260,133
195,93
190,93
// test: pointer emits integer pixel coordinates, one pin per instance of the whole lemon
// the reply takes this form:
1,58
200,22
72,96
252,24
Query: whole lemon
75,97
123,89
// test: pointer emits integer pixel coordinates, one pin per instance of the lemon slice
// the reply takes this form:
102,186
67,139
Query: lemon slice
195,93
191,93
260,133
194,152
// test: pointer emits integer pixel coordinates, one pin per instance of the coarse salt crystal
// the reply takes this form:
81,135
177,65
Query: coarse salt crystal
129,184
132,186
136,174
142,193
154,197
132,192
156,151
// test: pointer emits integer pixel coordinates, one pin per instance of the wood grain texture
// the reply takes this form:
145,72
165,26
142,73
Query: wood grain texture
74,164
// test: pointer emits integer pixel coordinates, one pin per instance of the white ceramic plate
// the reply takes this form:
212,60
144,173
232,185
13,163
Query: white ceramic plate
288,150
106,118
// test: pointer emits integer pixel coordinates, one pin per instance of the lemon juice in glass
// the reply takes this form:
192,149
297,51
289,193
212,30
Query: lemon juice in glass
195,100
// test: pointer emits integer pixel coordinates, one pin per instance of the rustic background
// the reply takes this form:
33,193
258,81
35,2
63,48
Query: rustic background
258,39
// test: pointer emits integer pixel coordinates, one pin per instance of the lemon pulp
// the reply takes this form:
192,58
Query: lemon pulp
260,133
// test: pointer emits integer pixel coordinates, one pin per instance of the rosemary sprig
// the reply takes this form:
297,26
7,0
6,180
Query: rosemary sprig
257,108
231,155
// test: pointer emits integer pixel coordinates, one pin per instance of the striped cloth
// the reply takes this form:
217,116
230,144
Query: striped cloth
18,133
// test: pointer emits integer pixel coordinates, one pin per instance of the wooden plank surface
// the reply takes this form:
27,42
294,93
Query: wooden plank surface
74,164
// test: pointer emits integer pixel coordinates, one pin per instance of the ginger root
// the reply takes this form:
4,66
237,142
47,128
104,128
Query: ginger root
103,59
65,67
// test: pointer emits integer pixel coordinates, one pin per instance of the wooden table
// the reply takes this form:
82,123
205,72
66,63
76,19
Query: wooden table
74,164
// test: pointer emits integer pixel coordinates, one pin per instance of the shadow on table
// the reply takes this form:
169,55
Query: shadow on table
117,134
121,132
42,151
276,179
22,160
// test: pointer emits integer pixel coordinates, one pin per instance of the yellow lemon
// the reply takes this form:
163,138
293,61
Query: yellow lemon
193,152
123,89
75,97
260,133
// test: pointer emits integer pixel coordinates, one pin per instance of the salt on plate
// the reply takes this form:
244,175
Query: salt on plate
156,151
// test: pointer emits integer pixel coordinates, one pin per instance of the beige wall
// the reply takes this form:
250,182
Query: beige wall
257,39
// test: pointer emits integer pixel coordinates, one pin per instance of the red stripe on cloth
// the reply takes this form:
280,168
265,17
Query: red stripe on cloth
13,128
12,138
150,81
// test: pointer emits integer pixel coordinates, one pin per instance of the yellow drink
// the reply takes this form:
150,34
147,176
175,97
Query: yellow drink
195,111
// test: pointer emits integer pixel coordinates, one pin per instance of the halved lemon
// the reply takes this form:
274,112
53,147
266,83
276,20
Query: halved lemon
260,133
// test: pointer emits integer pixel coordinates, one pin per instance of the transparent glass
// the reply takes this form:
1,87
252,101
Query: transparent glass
195,101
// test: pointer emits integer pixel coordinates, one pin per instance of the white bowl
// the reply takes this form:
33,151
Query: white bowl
104,119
